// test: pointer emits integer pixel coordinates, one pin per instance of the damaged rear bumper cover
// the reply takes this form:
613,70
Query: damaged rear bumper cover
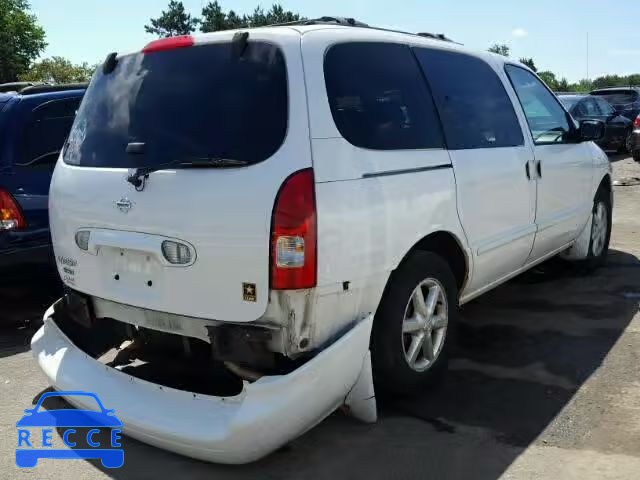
239,429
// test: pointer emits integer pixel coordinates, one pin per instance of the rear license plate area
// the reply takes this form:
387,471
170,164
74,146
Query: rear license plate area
133,271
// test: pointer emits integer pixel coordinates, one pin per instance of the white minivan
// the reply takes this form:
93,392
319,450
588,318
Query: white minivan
256,227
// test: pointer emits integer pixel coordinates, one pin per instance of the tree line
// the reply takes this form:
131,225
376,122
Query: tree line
562,84
176,21
22,41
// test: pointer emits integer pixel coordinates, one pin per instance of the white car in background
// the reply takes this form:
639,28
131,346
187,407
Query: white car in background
299,211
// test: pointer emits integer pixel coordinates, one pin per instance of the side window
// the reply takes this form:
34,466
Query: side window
604,106
591,107
580,109
45,132
546,118
378,97
474,106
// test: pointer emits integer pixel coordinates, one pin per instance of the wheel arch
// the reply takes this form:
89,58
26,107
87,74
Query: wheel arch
579,251
449,247
605,184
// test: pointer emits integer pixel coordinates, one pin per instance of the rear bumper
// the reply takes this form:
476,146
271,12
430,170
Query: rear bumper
264,416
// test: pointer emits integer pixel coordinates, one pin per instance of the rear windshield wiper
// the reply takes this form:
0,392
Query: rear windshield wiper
140,174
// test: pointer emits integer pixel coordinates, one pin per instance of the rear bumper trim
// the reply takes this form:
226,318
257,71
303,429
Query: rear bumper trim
264,416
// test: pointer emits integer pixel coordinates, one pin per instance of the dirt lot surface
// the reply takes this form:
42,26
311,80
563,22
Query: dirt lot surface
544,384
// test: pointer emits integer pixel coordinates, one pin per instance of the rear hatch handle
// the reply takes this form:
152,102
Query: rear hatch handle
141,242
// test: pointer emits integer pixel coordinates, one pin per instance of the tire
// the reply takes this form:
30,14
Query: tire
627,145
600,234
394,333
636,155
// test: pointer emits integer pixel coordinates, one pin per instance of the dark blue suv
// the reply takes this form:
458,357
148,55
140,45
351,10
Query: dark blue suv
34,124
625,100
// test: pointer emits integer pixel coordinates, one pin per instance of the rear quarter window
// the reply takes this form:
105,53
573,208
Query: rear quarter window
378,97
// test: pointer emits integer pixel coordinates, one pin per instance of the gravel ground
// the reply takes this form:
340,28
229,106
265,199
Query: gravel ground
545,383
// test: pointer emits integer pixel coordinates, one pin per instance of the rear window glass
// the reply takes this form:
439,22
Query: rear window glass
378,97
196,102
618,97
45,133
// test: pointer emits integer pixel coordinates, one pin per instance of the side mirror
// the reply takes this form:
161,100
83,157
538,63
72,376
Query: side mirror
591,130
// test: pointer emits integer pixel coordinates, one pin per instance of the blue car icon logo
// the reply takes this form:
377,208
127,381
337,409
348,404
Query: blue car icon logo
28,453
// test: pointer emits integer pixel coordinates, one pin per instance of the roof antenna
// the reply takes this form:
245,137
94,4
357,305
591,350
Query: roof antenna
239,43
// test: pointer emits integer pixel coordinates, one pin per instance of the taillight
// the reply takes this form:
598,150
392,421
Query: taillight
176,253
11,217
170,43
636,122
293,234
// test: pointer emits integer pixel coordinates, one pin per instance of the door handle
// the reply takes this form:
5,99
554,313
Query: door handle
526,169
539,168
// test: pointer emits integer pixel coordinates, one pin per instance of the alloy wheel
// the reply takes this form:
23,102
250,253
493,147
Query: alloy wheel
424,326
599,228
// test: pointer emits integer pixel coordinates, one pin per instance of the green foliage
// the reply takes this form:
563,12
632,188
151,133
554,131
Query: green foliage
549,78
277,14
175,21
529,63
563,85
616,81
214,17
500,49
21,39
582,86
234,21
58,70
586,85
555,84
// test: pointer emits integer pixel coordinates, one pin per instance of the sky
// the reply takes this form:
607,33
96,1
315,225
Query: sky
554,33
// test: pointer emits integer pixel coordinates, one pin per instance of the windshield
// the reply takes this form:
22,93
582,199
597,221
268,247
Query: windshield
618,97
201,101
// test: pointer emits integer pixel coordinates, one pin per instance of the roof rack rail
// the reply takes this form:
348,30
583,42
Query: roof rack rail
435,36
15,86
352,22
326,20
54,88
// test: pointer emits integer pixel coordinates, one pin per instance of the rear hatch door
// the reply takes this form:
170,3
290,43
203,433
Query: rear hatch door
623,100
216,99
